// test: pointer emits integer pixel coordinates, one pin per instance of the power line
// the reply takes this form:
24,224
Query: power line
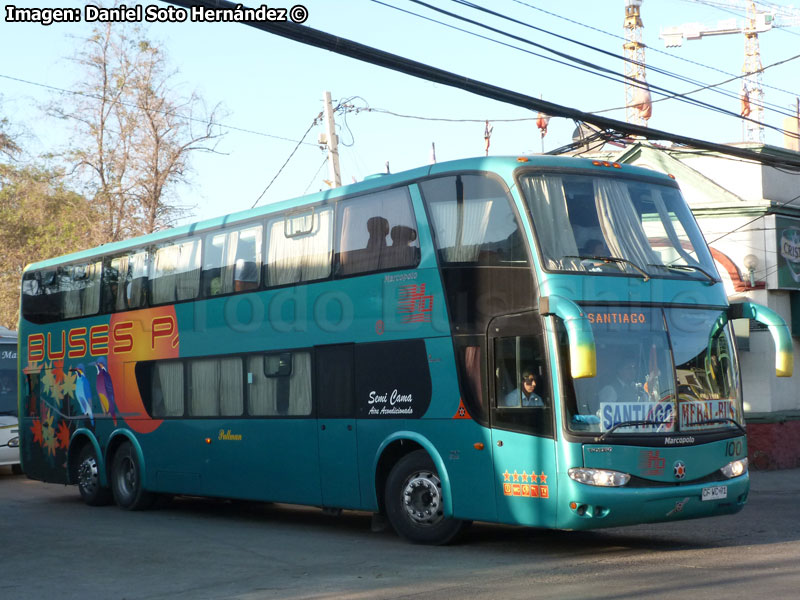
734,78
614,76
310,183
770,211
439,119
163,112
594,69
649,48
283,166
631,80
362,52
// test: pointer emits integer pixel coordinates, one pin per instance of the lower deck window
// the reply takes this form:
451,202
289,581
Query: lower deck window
261,385
275,393
167,389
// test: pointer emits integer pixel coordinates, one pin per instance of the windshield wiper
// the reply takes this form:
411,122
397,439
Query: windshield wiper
718,421
614,259
7,413
627,424
711,278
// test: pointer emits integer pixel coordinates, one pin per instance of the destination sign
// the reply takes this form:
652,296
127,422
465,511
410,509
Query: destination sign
662,414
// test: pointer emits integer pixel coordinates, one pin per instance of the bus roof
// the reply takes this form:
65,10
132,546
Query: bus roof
503,165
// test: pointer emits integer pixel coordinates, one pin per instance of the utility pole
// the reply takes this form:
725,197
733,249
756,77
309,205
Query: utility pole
332,142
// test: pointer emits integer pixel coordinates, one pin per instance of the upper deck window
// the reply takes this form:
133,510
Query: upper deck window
376,232
473,221
125,281
299,246
634,225
175,271
232,261
62,292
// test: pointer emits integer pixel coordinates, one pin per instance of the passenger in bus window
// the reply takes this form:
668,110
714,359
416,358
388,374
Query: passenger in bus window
378,229
401,253
525,394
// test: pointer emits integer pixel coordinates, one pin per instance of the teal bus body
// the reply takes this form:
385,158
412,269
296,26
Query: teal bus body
350,373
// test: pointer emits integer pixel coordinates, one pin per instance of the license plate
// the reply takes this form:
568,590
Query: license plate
717,492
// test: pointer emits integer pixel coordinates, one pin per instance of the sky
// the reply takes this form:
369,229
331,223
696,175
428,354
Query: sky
271,89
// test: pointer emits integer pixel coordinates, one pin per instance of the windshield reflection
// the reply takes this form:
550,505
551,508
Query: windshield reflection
649,382
602,224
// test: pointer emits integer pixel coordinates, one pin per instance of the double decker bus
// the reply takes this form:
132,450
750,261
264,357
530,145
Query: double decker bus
541,341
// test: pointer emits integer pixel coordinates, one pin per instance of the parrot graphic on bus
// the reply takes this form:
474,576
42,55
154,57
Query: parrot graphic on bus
83,392
105,389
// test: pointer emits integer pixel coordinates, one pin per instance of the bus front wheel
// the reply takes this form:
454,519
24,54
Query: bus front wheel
414,502
88,476
126,480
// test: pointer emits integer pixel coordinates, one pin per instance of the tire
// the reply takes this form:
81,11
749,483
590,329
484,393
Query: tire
17,469
414,502
88,478
126,480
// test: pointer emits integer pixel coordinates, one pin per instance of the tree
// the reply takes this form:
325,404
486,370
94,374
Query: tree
8,145
133,133
167,133
39,218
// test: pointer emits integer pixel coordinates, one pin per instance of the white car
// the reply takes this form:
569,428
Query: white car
9,426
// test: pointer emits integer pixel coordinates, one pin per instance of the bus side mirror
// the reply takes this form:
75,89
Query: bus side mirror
784,355
582,351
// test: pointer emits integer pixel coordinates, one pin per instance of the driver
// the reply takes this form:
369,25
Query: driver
624,387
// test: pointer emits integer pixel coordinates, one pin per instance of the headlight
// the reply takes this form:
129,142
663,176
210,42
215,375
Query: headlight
13,442
735,468
599,477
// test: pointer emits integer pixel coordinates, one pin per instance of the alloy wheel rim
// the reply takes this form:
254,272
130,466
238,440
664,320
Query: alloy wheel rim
422,498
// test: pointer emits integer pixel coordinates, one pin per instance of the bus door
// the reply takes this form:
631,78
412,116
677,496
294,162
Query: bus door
522,420
336,425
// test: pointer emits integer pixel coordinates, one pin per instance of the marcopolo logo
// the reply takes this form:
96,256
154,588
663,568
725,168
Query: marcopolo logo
790,250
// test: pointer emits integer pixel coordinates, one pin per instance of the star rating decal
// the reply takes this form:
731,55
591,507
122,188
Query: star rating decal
524,489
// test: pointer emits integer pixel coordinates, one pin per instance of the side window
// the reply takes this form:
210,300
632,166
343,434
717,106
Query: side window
473,221
166,388
232,261
125,281
279,384
376,232
299,246
216,387
80,289
175,271
523,399
41,299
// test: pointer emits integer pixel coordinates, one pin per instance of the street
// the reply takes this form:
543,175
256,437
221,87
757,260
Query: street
53,546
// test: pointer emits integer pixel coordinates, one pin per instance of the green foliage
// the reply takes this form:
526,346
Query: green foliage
39,218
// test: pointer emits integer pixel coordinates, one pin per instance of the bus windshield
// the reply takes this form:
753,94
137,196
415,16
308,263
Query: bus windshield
638,227
658,371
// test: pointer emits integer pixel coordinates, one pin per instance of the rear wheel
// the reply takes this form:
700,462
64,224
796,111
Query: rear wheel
88,476
126,480
415,504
